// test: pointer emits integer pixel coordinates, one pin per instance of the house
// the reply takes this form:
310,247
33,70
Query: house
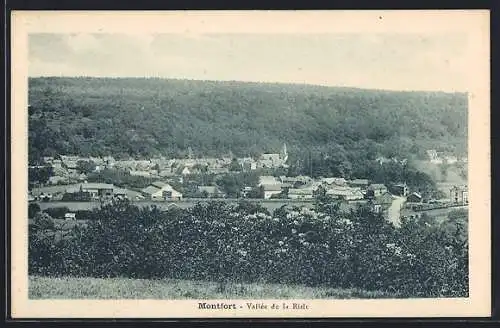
451,159
375,190
359,183
343,193
414,197
434,157
301,193
295,181
186,171
334,181
271,189
161,191
145,174
459,195
93,190
211,191
245,191
400,189
71,166
120,193
268,180
70,216
382,202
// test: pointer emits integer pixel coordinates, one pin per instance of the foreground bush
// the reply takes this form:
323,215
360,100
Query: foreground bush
217,242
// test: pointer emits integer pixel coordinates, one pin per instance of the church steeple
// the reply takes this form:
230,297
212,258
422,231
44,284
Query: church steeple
284,153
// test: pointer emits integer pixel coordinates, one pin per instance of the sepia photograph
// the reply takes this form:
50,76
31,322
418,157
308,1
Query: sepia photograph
253,171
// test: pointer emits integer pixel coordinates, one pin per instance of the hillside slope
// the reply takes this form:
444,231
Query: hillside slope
141,117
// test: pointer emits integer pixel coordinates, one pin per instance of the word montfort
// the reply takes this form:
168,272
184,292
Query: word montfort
216,306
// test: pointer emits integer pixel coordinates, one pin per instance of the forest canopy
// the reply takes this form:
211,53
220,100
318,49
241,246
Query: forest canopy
139,117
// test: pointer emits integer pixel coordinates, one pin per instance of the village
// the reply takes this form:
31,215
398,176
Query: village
166,178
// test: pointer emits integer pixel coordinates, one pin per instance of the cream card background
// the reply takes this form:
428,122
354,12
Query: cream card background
474,24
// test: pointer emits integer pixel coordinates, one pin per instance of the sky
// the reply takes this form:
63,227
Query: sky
377,61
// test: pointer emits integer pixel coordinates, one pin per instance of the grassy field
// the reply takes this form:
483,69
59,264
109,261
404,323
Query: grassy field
121,288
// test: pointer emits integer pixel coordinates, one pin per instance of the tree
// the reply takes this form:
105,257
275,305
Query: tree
40,174
33,209
85,166
234,166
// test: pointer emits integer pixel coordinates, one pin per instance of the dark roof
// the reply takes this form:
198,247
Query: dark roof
150,190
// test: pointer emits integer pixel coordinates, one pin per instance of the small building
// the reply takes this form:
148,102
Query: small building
136,173
459,195
70,216
359,183
348,194
271,189
414,197
301,193
161,191
382,202
334,181
400,189
93,190
268,180
375,190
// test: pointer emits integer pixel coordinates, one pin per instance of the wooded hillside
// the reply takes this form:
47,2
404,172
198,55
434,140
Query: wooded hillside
143,117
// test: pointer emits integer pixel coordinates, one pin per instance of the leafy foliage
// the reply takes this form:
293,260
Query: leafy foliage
144,117
217,242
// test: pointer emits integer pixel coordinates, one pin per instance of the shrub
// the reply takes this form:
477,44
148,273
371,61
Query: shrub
245,243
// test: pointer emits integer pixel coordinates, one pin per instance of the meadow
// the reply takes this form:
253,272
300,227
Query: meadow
165,289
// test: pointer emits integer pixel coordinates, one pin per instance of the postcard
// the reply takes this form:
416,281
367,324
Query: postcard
250,164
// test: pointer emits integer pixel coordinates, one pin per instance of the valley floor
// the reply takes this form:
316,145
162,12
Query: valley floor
122,288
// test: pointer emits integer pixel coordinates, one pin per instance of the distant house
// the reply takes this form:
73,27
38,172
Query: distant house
296,181
145,174
451,159
70,216
211,191
459,195
268,180
245,191
334,181
382,202
434,157
343,193
400,189
414,197
301,193
360,183
161,191
120,193
93,190
375,190
71,166
186,171
271,189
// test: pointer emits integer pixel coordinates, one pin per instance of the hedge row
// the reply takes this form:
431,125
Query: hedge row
218,242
